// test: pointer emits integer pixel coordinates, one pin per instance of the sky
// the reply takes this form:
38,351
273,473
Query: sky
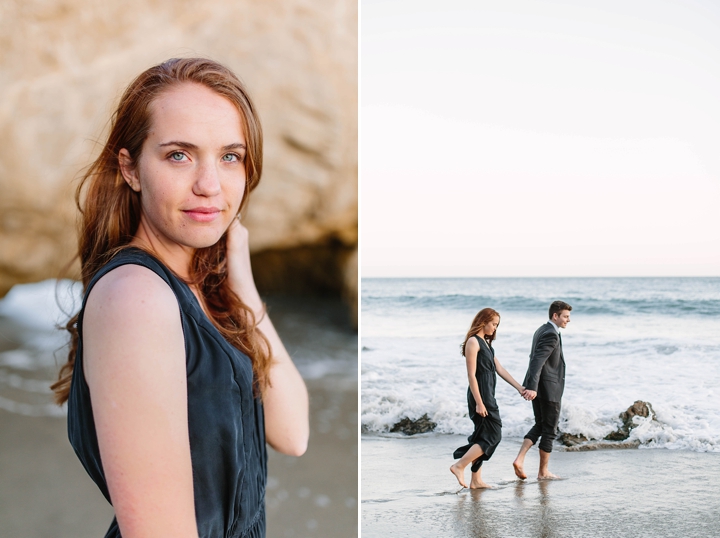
539,138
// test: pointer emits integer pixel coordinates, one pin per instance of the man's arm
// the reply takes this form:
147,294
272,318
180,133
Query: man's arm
546,344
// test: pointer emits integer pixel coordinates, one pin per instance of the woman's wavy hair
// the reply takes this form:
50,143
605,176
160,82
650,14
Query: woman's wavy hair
110,210
481,319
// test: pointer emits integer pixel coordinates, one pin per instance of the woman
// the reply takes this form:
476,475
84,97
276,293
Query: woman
176,377
482,407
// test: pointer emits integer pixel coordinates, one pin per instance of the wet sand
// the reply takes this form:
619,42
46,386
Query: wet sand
45,492
316,495
407,490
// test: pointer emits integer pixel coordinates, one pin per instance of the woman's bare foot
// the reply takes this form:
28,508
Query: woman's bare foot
459,474
479,484
519,471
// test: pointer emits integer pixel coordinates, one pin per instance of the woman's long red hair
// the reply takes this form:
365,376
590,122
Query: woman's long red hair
481,319
110,210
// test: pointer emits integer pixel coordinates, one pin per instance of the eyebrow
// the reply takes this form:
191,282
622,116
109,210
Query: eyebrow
188,145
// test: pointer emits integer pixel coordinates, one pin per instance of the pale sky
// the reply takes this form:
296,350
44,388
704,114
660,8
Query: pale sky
540,138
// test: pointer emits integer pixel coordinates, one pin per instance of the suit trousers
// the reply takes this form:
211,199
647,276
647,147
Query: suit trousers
547,415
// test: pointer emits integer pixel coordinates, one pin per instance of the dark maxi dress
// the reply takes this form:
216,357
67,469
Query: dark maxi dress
225,420
488,430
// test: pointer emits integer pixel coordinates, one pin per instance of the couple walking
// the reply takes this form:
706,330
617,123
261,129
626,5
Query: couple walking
543,385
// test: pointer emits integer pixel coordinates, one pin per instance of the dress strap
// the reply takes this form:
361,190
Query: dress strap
481,340
128,256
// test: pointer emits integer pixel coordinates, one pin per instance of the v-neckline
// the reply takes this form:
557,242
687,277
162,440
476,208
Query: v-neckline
485,341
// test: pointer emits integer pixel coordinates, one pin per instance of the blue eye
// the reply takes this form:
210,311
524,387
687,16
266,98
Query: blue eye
230,157
177,156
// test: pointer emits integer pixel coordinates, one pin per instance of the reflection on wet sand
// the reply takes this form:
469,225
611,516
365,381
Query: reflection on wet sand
619,492
548,522
480,513
470,504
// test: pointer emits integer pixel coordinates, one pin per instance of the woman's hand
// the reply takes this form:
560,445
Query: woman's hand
481,410
285,400
239,268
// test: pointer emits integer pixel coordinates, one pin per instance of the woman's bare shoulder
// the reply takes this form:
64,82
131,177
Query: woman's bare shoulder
132,331
472,344
131,306
131,289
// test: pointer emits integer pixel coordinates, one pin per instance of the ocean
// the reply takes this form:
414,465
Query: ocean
650,339
316,332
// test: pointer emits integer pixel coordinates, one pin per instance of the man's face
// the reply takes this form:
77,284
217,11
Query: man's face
561,319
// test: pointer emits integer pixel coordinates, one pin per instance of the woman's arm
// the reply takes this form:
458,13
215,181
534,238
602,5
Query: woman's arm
286,399
471,350
134,364
502,372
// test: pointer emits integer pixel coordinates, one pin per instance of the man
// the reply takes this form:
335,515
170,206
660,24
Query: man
544,384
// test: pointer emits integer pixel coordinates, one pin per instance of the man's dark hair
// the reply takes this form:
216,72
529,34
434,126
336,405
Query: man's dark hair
557,307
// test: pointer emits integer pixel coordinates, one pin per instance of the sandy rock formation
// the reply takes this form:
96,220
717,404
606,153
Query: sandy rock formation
616,439
414,427
64,63
637,409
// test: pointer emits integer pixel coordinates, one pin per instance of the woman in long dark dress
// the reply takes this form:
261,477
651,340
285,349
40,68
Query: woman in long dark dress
482,365
176,378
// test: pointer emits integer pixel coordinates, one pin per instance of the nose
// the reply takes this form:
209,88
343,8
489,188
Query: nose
207,181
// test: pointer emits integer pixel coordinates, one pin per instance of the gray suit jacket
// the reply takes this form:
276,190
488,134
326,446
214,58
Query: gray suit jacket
546,372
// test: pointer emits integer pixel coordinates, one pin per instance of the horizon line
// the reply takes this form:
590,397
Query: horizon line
542,276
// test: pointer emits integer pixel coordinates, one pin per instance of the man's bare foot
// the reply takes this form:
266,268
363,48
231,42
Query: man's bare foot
479,484
459,474
519,471
547,475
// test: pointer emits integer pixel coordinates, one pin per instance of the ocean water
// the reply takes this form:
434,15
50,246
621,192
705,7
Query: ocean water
651,339
316,332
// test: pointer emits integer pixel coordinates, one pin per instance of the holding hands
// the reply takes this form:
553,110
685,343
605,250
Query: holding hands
525,393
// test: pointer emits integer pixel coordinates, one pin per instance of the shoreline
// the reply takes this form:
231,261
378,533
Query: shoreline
407,488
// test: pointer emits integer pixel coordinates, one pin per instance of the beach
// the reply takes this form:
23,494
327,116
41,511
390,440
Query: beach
629,339
44,491
407,490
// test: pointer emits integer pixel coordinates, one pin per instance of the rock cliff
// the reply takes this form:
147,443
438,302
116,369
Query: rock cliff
64,63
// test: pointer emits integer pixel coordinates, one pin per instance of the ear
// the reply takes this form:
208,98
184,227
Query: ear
128,170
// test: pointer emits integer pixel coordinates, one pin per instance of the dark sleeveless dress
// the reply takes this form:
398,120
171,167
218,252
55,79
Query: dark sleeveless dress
225,420
488,430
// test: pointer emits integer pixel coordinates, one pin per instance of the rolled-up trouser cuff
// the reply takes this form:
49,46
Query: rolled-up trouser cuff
547,416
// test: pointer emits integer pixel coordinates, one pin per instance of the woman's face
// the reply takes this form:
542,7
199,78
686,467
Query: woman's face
491,326
191,172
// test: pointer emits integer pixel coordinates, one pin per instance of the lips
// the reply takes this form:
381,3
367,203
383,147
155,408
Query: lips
202,214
